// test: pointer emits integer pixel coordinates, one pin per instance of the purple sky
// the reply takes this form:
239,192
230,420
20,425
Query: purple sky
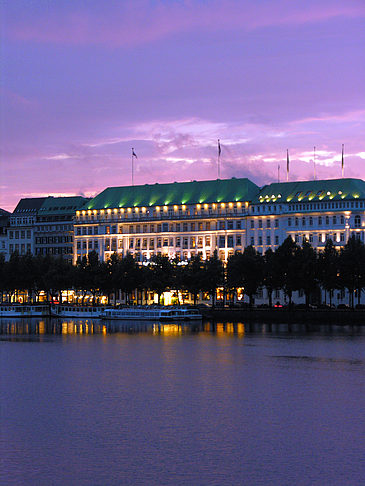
84,81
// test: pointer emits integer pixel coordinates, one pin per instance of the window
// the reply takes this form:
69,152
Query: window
327,220
342,236
222,242
342,219
268,223
178,242
310,221
207,241
185,226
207,226
296,221
296,238
221,225
252,241
276,239
260,240
268,240
238,224
186,243
238,240
165,242
90,230
289,221
165,227
96,230
320,221
177,227
252,223
96,244
230,225
230,241
260,223
357,221
334,219
310,238
303,221
276,223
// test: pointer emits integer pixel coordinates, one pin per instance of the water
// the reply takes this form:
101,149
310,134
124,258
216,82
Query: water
88,403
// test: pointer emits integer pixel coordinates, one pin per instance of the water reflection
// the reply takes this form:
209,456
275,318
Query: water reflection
69,326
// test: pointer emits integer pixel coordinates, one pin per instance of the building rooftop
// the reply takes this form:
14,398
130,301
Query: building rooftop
61,205
220,190
312,191
28,205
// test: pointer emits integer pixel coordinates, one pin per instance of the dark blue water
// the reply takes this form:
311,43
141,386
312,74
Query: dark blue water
84,404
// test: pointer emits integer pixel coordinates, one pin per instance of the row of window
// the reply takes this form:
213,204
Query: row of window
21,248
56,227
309,206
58,250
48,240
20,234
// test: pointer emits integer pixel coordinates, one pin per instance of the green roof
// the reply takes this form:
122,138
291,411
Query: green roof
304,191
61,205
220,190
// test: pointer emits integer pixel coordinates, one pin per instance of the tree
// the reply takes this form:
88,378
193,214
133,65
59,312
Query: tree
213,276
306,263
246,270
352,267
159,274
329,268
271,276
288,267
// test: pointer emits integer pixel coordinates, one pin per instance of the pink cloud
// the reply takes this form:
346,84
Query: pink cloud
140,21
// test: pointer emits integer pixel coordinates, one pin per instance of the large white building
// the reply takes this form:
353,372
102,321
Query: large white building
225,215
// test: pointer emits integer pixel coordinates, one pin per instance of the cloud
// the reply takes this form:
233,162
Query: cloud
128,23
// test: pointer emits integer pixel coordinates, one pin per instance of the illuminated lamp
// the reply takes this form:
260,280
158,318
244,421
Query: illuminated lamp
89,212
83,213
239,204
129,210
340,192
165,208
78,213
95,212
328,193
143,210
175,208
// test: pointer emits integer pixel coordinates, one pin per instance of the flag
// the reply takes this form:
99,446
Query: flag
134,154
219,148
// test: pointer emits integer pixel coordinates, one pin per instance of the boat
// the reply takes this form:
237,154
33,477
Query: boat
24,310
81,311
152,314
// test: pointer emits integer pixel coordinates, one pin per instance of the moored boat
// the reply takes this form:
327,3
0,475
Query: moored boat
81,311
25,310
152,314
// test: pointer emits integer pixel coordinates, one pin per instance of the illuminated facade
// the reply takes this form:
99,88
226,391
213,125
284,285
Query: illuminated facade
184,219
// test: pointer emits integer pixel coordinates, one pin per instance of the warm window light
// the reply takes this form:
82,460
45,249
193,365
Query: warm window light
115,211
109,211
83,213
95,212
214,206
157,208
205,206
122,210
143,210
129,210
165,208
89,212
175,208
102,211
198,206
136,210
230,205
77,212
223,205
184,207
239,204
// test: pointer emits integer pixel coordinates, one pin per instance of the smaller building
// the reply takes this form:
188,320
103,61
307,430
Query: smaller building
54,231
22,225
4,223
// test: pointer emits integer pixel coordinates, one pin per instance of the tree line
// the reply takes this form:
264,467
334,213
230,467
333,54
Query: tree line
289,268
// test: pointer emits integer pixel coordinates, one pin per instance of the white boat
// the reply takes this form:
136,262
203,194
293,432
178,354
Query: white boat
152,314
24,310
81,311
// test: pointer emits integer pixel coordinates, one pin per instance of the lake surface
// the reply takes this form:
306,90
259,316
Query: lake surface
92,403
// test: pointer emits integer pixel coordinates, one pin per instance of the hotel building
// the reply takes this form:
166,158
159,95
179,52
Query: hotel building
184,219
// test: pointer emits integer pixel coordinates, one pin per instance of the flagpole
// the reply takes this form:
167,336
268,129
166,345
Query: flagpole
219,160
314,161
287,165
132,167
342,161
278,172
